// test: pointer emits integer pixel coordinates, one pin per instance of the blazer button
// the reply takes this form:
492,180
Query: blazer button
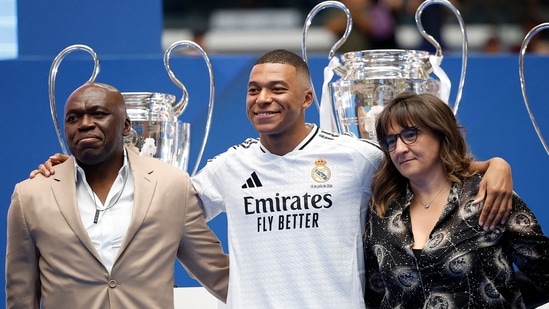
112,283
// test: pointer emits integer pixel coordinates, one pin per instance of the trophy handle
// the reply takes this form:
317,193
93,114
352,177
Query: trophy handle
523,47
179,107
51,83
182,104
430,39
319,7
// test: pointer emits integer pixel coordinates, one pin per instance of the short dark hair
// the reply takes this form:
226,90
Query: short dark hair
283,56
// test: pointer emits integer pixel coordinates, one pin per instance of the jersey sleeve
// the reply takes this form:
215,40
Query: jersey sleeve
205,183
371,161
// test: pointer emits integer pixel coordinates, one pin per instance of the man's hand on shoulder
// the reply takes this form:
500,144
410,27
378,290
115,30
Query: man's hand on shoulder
496,192
46,168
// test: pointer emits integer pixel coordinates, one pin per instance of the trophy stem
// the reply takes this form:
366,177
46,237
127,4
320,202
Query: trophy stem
319,7
51,83
523,48
179,110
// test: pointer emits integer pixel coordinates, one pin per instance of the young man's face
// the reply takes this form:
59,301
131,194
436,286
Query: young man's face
277,97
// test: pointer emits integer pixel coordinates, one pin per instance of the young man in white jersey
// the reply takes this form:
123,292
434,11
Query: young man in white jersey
296,198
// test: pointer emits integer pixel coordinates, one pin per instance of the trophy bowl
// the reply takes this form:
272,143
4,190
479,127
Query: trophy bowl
370,78
156,132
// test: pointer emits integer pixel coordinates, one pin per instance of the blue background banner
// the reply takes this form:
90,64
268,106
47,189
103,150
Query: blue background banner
492,110
126,36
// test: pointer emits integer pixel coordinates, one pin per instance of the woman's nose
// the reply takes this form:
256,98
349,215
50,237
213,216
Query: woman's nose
400,145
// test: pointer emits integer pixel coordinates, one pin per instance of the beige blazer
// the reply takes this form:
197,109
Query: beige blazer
50,259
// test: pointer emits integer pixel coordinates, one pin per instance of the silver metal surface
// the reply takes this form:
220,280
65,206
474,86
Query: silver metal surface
51,84
523,48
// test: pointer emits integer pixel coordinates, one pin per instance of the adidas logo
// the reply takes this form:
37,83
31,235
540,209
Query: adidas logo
252,182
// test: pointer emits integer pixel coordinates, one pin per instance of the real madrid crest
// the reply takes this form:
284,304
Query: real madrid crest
320,172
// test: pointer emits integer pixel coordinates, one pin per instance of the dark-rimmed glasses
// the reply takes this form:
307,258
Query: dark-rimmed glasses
408,136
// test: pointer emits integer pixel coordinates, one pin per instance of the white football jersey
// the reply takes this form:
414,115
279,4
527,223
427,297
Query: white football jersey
295,222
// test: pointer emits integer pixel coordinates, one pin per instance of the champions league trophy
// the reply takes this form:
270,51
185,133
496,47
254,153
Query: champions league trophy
523,48
370,78
156,130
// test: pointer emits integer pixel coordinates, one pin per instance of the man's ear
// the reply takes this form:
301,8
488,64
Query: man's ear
309,96
127,127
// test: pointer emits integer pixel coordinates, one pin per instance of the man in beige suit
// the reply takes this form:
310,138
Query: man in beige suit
104,231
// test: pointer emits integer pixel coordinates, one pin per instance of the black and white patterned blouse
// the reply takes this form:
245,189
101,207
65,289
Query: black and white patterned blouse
461,265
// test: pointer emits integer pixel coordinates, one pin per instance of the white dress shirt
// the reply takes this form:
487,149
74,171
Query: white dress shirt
113,217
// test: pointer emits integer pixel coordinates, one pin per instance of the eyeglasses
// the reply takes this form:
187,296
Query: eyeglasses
408,136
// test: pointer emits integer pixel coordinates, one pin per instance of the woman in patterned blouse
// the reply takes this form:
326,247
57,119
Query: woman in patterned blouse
423,245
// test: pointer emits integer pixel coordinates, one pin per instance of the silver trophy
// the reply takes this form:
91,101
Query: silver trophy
523,48
370,78
156,129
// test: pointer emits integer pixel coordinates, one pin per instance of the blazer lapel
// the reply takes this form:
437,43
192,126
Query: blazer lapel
144,187
64,191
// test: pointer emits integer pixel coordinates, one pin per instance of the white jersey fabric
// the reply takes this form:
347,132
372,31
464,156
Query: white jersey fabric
295,222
